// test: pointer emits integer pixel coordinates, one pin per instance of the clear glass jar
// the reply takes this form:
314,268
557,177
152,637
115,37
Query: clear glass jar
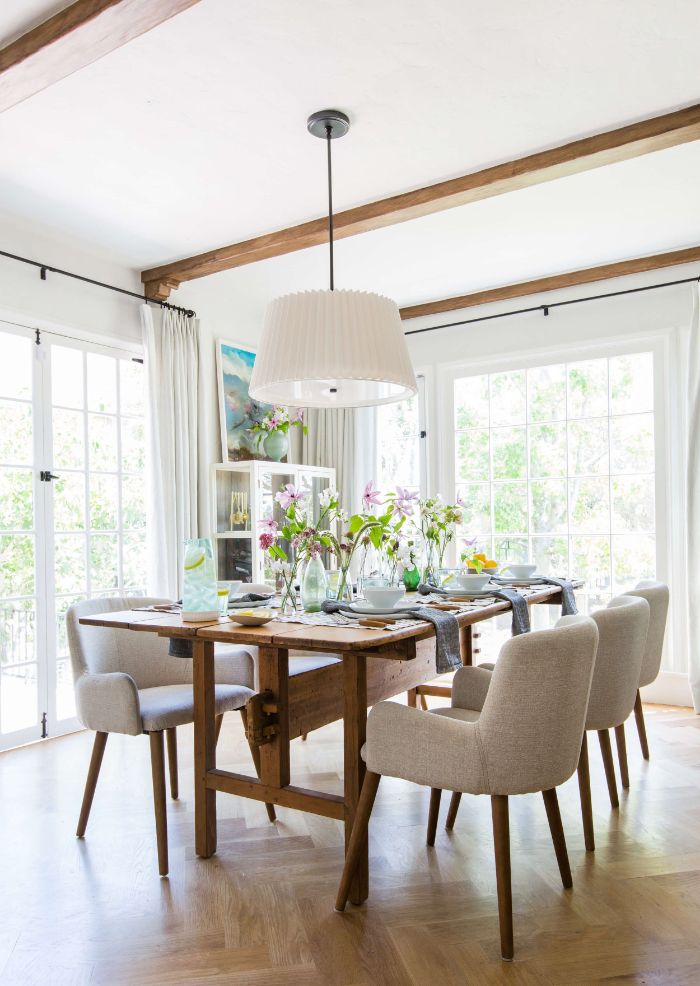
199,591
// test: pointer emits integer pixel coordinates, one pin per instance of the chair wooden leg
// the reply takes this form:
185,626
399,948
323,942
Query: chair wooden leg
641,728
551,804
423,702
606,750
158,773
453,809
501,845
171,738
98,749
217,727
357,836
255,754
584,786
435,795
412,698
622,755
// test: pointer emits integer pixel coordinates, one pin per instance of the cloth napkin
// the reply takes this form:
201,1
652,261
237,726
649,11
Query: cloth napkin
568,600
447,653
521,613
253,597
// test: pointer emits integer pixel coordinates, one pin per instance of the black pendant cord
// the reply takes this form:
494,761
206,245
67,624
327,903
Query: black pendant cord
330,202
43,268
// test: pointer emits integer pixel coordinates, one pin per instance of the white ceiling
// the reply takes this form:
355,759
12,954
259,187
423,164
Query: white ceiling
193,135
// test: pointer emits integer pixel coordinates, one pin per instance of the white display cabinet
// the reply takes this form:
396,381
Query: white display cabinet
243,494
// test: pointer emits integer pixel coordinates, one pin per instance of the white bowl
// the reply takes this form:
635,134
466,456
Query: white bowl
521,571
475,583
251,617
383,597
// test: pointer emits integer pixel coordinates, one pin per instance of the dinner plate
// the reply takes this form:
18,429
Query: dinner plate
365,610
535,580
457,596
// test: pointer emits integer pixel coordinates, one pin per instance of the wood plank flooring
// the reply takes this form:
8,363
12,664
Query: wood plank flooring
94,912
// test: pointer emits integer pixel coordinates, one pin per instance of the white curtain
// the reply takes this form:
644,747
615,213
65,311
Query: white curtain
343,438
175,428
693,498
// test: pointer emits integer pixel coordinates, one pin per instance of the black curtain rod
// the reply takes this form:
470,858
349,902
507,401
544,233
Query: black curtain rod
43,268
554,304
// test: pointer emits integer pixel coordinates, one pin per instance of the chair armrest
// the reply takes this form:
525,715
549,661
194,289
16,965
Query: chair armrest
109,703
234,664
427,749
470,687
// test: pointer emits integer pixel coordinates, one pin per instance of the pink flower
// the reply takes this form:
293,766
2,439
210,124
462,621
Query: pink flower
404,502
298,415
289,495
266,541
269,526
371,496
314,549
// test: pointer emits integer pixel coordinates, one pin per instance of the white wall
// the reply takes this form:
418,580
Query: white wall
69,306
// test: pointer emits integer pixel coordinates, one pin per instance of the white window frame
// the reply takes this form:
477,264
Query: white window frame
45,623
423,430
668,448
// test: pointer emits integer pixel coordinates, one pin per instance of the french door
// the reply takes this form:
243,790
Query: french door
72,514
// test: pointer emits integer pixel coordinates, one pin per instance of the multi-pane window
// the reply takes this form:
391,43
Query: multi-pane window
556,464
401,444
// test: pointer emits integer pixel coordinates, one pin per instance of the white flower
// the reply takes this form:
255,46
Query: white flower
343,516
328,496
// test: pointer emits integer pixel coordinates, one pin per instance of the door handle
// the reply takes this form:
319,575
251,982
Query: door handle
46,476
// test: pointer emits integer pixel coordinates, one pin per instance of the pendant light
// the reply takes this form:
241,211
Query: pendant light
332,348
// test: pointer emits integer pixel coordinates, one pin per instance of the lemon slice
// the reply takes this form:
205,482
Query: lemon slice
194,558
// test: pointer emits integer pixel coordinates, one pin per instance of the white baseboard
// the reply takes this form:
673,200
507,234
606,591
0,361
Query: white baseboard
670,688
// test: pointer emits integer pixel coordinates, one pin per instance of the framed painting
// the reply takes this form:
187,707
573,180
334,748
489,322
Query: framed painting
237,410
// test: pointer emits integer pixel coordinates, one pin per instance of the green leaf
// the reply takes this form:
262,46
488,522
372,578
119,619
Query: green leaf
356,522
376,535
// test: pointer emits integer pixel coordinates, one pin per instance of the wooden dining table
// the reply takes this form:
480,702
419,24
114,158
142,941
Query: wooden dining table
376,664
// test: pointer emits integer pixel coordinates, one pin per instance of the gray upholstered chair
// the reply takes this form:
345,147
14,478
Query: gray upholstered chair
657,595
126,683
515,730
622,634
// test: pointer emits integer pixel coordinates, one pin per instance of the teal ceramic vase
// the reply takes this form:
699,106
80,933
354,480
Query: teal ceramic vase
314,585
276,445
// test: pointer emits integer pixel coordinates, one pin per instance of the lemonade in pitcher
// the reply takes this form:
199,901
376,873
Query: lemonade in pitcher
199,592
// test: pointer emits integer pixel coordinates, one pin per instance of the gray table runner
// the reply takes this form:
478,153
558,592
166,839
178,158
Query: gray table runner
447,652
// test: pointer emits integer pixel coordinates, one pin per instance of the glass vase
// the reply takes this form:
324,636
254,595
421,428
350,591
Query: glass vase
429,565
313,586
411,578
288,601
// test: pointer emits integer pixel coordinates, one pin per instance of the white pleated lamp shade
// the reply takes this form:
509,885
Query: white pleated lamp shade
332,349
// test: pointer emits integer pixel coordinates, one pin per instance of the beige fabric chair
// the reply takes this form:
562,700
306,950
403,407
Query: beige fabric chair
127,683
515,730
622,632
657,595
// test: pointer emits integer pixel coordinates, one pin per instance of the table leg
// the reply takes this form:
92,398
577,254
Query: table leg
466,645
355,732
204,746
273,670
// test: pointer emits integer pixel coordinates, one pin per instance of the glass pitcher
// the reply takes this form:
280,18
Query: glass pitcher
199,591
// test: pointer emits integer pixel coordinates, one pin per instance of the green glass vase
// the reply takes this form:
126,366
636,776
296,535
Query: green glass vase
411,578
276,445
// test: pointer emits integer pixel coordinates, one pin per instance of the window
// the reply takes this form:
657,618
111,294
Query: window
556,464
75,411
401,443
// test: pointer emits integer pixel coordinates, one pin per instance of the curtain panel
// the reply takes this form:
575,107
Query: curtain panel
174,429
343,438
693,498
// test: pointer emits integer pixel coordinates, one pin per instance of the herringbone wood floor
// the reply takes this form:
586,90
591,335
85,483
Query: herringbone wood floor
260,913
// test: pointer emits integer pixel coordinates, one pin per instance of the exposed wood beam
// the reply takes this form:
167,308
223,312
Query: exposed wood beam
73,38
572,278
602,149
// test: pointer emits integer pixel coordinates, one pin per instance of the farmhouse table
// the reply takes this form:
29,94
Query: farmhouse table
375,665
